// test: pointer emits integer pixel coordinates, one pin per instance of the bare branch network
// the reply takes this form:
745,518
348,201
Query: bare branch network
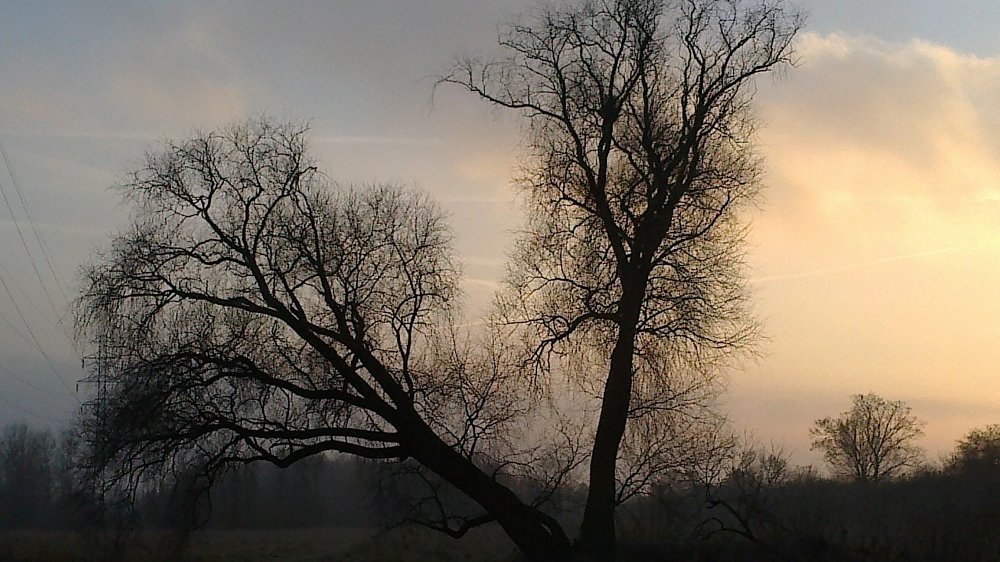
257,311
872,441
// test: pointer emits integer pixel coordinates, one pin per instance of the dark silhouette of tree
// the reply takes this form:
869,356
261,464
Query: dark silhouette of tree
740,503
871,442
978,450
255,311
640,163
27,489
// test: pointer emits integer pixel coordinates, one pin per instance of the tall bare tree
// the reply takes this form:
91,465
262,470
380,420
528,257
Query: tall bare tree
870,442
639,162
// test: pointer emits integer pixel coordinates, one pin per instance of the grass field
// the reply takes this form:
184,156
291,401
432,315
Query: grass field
294,545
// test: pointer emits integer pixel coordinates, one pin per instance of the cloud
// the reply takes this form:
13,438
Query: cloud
491,284
883,227
885,148
179,74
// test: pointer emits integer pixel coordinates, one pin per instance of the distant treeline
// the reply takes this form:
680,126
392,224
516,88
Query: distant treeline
760,509
316,492
37,485
930,515
39,490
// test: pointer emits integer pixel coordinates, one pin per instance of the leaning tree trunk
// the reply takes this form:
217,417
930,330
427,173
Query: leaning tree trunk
538,536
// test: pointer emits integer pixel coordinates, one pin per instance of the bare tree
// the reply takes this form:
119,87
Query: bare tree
978,450
26,477
255,311
740,502
872,441
640,161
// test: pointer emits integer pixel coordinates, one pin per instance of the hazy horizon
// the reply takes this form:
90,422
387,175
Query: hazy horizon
873,260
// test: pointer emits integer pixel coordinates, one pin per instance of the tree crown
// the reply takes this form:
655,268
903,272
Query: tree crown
871,441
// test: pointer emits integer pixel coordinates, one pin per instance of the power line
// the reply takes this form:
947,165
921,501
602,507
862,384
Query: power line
32,222
30,412
6,283
34,339
28,383
38,238
15,329
25,296
34,266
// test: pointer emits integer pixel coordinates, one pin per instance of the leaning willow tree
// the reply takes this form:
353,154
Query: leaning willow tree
257,311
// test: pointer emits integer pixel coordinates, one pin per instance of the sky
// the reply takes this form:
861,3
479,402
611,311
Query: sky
874,259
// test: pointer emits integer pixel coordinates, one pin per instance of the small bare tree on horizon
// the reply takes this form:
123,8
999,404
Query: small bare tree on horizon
872,441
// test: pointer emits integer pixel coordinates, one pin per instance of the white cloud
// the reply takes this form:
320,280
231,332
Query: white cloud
877,251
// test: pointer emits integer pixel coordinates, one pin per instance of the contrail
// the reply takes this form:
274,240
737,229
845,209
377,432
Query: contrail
857,265
150,136
83,134
376,140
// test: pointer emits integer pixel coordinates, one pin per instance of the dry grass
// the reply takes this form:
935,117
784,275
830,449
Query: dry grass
293,545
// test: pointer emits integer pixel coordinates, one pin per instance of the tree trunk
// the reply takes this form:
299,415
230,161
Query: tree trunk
538,536
597,531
